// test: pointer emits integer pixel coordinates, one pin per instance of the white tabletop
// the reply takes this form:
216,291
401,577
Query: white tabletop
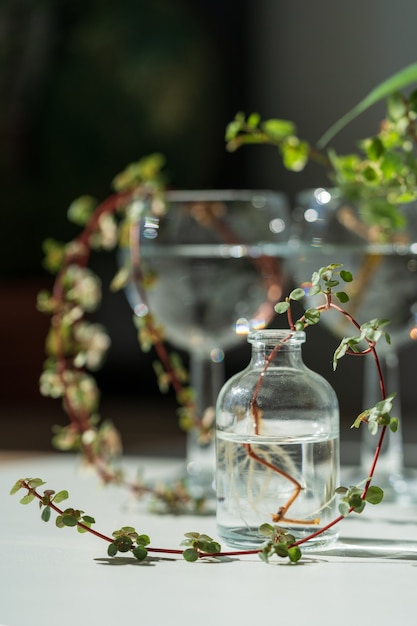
55,576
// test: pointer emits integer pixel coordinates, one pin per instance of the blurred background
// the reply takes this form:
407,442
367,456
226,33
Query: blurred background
87,86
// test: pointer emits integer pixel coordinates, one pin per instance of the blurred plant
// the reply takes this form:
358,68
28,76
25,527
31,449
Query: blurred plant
382,174
76,347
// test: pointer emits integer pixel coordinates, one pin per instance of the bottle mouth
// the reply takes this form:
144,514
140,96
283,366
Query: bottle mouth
273,335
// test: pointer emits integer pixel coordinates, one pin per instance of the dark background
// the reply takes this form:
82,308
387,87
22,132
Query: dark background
87,86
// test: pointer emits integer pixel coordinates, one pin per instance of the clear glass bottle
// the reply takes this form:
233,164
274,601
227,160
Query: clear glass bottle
277,446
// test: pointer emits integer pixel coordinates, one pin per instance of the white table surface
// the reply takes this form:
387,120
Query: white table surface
51,576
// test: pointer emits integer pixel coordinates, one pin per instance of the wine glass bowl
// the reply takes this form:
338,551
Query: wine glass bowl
213,268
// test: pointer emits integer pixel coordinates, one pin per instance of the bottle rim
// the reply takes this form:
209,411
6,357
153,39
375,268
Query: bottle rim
274,335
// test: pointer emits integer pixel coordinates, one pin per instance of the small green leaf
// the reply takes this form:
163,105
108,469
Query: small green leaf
60,496
190,554
140,552
312,316
346,276
46,514
267,530
16,487
123,544
294,553
58,522
27,499
87,519
314,290
112,549
282,307
253,120
374,495
281,549
69,520
394,424
297,294
264,554
278,129
143,540
299,325
341,490
342,296
355,500
35,482
344,509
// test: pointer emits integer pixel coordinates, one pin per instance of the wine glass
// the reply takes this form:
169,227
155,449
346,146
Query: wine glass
216,261
328,229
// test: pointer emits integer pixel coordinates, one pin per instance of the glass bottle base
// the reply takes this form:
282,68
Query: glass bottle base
247,538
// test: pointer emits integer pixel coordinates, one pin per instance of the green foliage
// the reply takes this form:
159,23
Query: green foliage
378,415
280,133
281,543
199,545
126,539
54,255
81,209
387,89
371,332
74,517
146,170
378,178
355,498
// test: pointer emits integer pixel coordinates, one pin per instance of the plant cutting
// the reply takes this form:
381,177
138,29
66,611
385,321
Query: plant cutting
279,542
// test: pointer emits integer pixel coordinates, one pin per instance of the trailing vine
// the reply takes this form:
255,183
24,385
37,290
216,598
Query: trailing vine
76,347
278,542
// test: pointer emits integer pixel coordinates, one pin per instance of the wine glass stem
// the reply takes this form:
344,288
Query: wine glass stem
207,378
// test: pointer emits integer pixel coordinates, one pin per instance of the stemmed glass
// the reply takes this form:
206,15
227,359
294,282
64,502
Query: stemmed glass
215,259
328,229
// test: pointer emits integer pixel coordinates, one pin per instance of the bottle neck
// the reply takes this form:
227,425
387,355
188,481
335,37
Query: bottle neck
277,348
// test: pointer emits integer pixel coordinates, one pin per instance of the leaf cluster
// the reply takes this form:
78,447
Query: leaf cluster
281,543
379,415
370,332
379,177
69,517
199,545
323,282
128,540
355,499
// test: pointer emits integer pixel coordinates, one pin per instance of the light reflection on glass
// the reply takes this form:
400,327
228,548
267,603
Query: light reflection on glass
217,355
242,326
151,222
141,310
311,215
237,252
258,202
277,225
322,196
150,233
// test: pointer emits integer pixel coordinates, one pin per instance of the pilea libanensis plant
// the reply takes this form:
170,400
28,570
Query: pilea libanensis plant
325,283
76,346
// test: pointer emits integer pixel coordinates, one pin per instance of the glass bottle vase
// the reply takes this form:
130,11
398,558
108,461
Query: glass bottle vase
277,446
